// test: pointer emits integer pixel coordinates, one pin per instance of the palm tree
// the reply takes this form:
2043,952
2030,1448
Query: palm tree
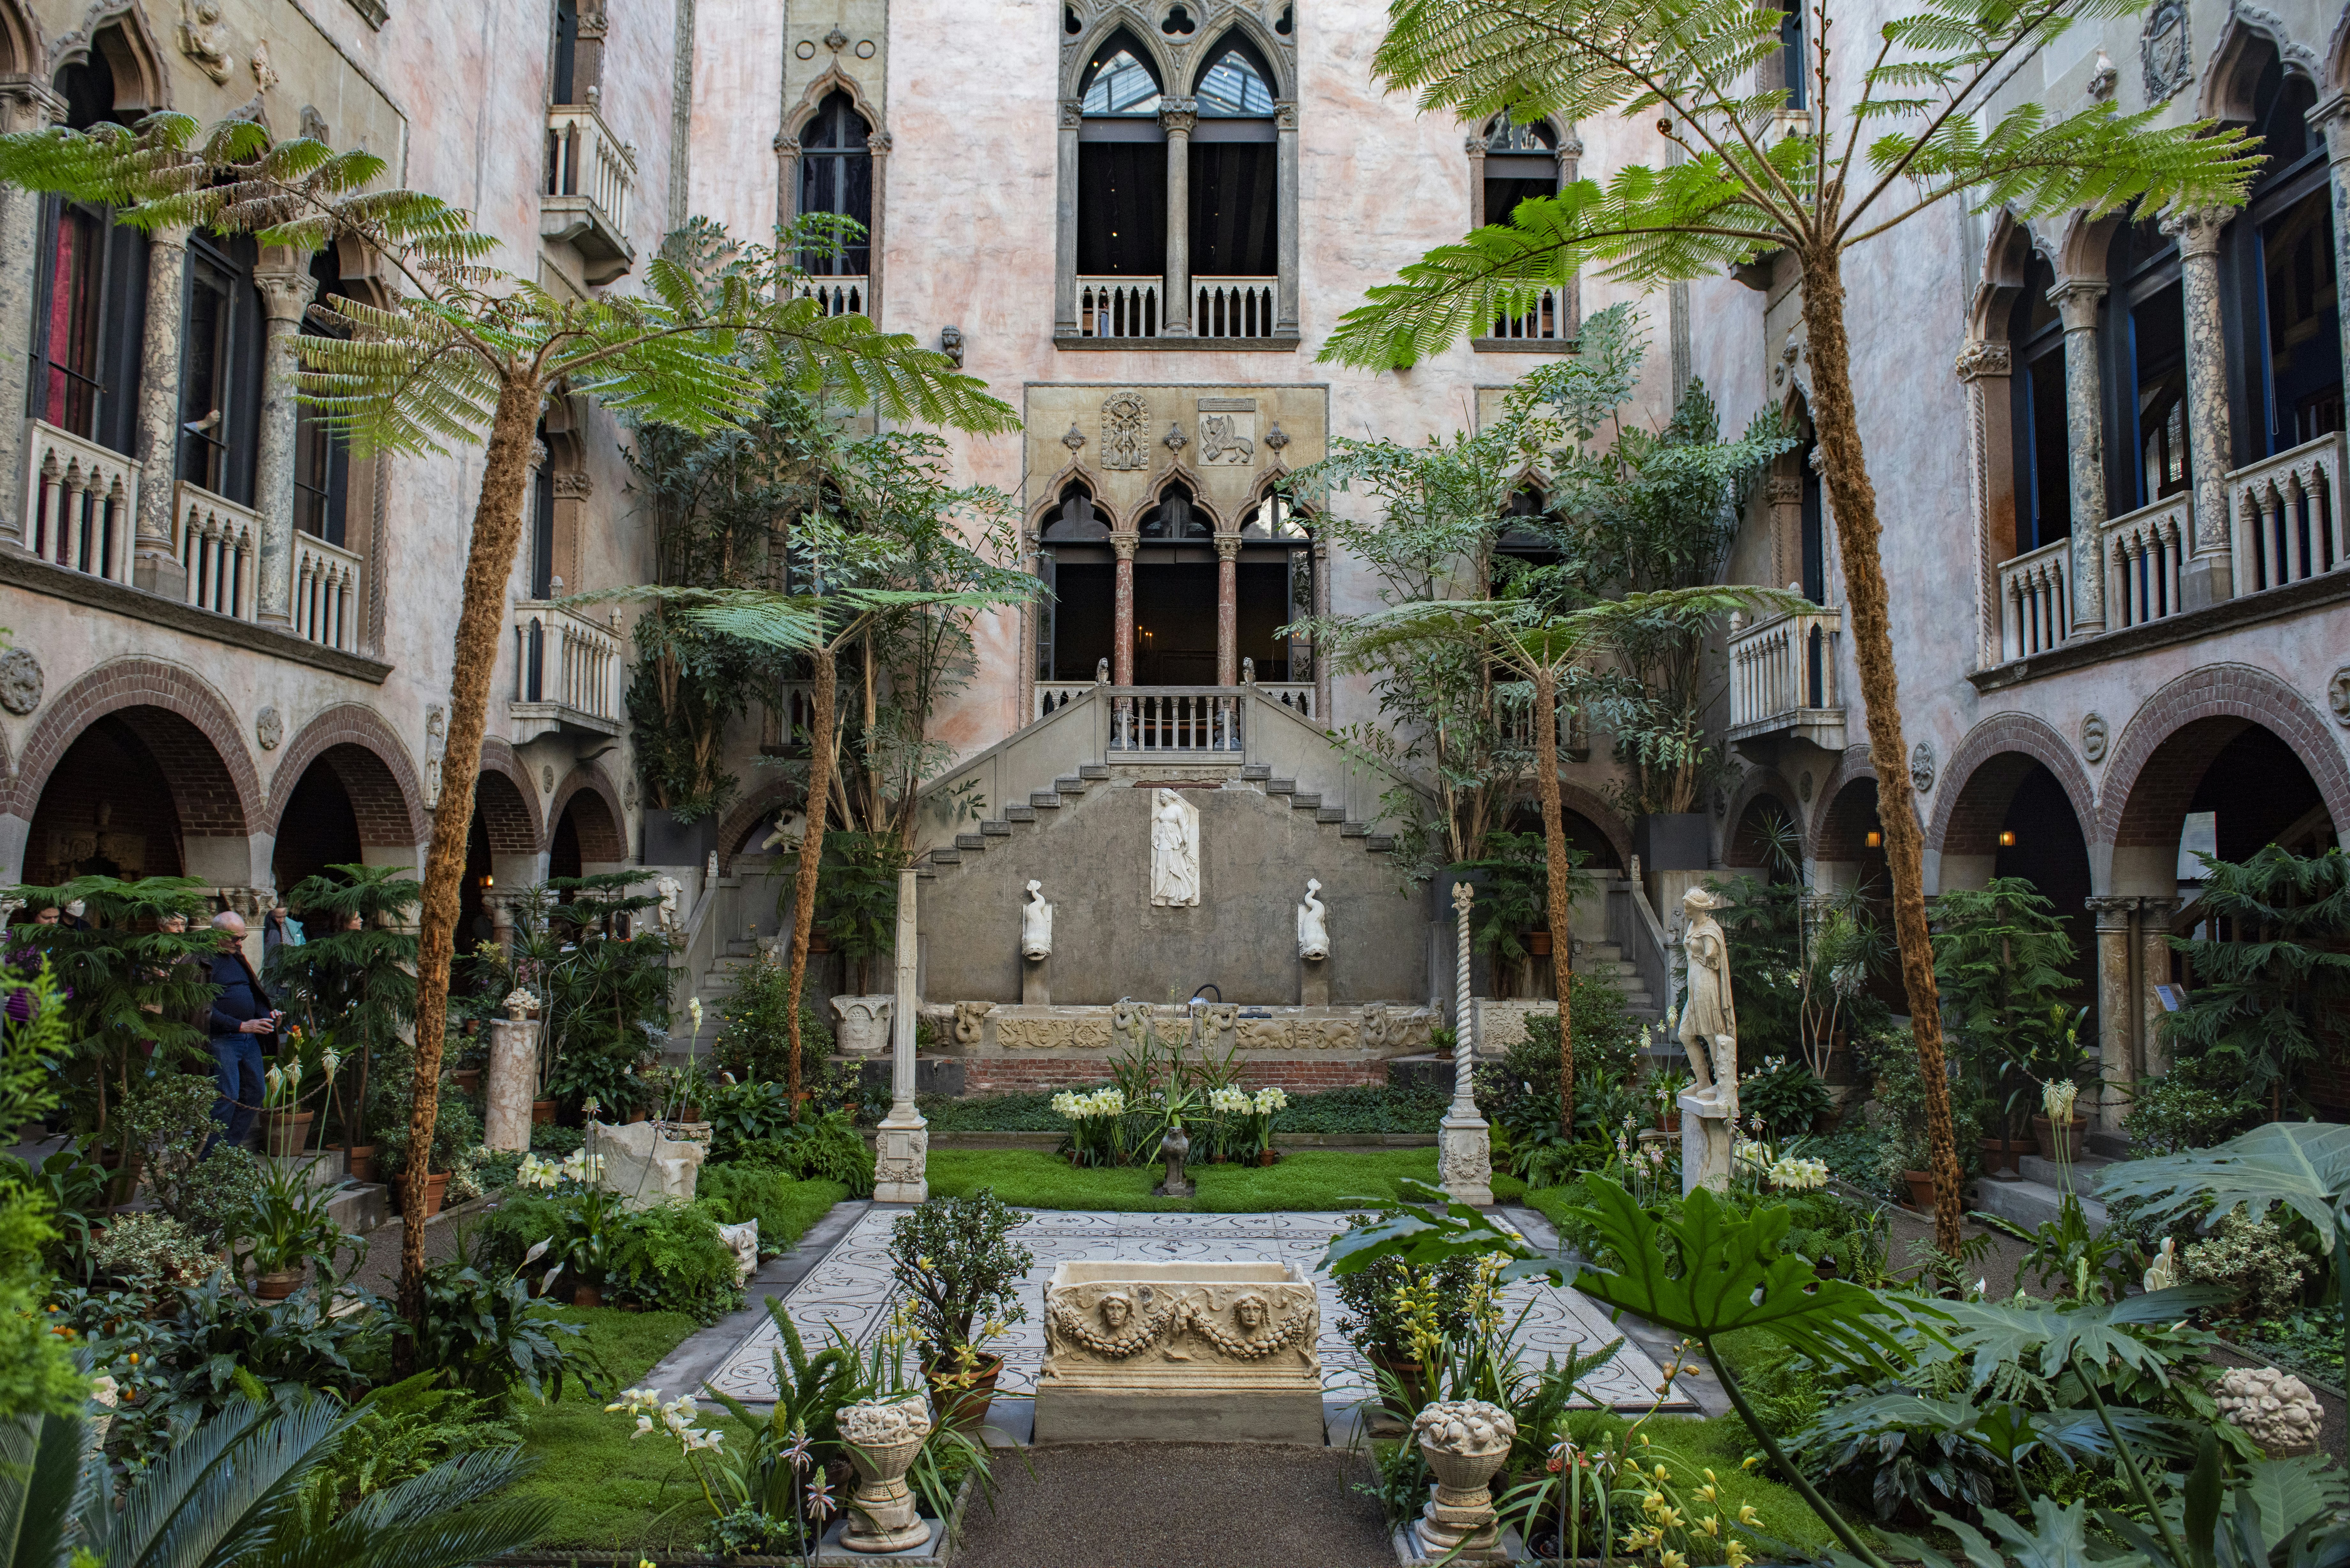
231,1495
464,356
1750,179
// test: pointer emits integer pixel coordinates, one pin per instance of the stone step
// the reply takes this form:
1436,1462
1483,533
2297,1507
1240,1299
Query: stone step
993,829
1356,830
971,841
1093,770
1045,800
1069,783
946,857
1337,813
2031,1204
1379,843
1602,952
1019,813
1304,802
361,1207
2031,1167
1281,786
1256,773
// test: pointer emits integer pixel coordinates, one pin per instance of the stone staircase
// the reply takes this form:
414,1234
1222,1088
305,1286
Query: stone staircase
2036,1194
1074,787
1605,960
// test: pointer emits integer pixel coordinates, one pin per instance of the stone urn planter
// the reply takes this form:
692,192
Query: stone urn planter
882,1438
864,1024
277,1287
1465,1441
2001,1154
283,1133
2059,1143
2274,1409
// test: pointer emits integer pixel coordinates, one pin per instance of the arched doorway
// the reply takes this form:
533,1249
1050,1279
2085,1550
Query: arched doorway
2013,817
141,792
318,828
1175,593
501,854
588,838
1848,853
1764,840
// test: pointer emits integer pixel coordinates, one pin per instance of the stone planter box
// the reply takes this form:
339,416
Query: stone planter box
669,842
1179,1352
1671,841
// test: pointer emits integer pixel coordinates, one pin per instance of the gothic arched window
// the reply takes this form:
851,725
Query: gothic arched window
1176,516
2036,398
836,177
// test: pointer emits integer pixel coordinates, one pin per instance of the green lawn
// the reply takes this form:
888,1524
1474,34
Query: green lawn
610,1492
1306,1179
1720,1444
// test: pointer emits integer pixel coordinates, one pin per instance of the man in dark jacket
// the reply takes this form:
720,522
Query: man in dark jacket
241,1017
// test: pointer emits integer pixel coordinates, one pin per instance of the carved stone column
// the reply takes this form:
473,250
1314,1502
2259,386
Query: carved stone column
1284,151
512,1083
2209,573
1322,612
1228,615
1121,650
2333,117
877,147
572,489
286,293
2154,969
787,179
1785,495
2076,300
157,567
1464,1158
902,1144
1065,232
1984,367
24,105
1474,146
1570,167
1176,116
2116,1007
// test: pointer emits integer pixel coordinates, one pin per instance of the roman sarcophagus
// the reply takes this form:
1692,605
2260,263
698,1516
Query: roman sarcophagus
1179,1352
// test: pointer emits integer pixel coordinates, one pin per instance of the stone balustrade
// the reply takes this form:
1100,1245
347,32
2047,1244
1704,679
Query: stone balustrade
326,598
567,673
1294,695
1052,696
1783,668
81,501
2036,601
836,296
2143,553
1120,306
590,183
1233,307
217,543
2286,513
1164,718
1549,319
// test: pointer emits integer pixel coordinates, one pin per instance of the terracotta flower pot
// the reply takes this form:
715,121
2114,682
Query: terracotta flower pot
542,1113
277,1287
2002,1153
959,1400
284,1132
1266,1156
360,1161
1921,1189
469,1080
2048,1136
1538,944
1409,1375
1670,1121
436,1188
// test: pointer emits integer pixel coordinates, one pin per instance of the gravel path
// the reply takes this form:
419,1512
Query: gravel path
1202,1505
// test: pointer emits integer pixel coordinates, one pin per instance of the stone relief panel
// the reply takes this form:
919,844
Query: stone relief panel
1233,436
1053,1033
1228,432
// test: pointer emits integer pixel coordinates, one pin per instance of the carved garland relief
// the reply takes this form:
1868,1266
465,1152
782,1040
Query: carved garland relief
1119,1322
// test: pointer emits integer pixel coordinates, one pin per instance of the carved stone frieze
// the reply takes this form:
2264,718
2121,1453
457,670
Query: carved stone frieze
1180,1325
1124,418
1983,357
1263,1033
1053,1033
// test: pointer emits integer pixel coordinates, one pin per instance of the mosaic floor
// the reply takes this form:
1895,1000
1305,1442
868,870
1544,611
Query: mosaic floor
851,1288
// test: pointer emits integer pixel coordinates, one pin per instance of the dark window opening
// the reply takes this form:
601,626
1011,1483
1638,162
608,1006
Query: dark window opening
1233,231
1174,624
2288,243
220,381
1814,510
1122,209
542,527
1175,517
1262,605
90,301
322,457
1179,23
1075,522
837,176
2159,344
1083,620
564,88
1793,75
2043,445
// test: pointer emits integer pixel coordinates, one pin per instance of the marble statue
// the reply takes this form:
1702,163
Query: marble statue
1313,925
786,834
1036,925
436,747
1709,1028
670,889
1174,849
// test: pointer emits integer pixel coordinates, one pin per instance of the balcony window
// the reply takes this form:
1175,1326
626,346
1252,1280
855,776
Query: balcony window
90,301
836,177
1521,161
1234,175
2043,448
219,368
322,459
1119,83
1791,74
541,525
1235,84
2286,251
564,87
2147,347
1121,169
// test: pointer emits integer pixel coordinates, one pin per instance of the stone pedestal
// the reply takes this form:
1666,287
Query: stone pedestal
902,1149
1464,1160
1313,982
901,1155
1035,982
512,1083
864,1024
1706,1138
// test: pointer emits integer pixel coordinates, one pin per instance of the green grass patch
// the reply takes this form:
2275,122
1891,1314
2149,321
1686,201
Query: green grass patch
1720,1444
1306,1179
1358,1108
610,1493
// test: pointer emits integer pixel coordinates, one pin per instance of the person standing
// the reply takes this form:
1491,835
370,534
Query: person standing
241,1016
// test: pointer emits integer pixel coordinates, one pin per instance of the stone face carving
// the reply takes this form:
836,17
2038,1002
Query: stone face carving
1231,1342
1983,357
864,1024
2092,735
1313,925
1709,1028
1921,767
970,1021
1125,443
1053,1033
1222,1016
1465,1441
1175,441
436,747
2275,1409
268,728
950,343
20,680
205,39
1174,850
2337,694
2163,50
1036,925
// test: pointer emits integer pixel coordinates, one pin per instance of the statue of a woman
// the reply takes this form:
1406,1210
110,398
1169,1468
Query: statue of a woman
1709,1027
1036,925
1313,927
1174,849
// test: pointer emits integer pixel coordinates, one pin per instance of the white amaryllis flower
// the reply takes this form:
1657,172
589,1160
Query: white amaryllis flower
693,1009
2058,1098
331,1061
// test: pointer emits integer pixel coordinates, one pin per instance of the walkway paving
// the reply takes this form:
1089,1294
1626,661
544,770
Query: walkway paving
851,1290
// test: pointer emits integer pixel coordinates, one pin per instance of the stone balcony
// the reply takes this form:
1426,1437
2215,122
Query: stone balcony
1782,679
1230,312
591,178
566,673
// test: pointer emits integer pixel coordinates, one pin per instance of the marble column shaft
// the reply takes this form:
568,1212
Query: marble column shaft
2076,300
1228,633
1176,116
2116,1007
2210,445
512,1083
1121,653
1064,234
1464,1141
24,105
284,296
902,1141
2154,969
1285,163
157,567
2333,117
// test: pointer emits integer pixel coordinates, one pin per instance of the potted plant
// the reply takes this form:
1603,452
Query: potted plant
1377,1322
286,1227
2051,1056
285,1126
2002,959
961,1273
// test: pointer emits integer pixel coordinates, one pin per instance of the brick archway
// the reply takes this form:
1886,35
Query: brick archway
1594,808
2140,811
192,730
1982,776
1757,784
735,828
370,764
1853,765
595,812
507,801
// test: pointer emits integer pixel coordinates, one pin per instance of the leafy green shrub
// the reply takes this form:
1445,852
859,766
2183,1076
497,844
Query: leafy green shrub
1787,1096
554,1138
486,1333
1363,1109
2201,1102
744,1113
148,1252
828,1149
753,1041
398,1432
783,1205
2254,1258
671,1259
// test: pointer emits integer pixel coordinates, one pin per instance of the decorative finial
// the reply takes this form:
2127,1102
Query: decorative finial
1174,440
1074,438
1463,895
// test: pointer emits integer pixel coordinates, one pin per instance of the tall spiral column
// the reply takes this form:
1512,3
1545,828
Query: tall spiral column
1464,1144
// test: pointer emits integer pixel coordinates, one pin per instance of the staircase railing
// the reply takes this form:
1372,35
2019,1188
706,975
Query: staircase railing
1633,927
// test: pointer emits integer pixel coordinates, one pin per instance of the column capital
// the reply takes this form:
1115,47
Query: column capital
1984,357
1178,116
1228,547
1073,113
2196,229
1782,490
1124,544
284,296
2331,116
2112,913
2076,300
30,105
2156,908
169,236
